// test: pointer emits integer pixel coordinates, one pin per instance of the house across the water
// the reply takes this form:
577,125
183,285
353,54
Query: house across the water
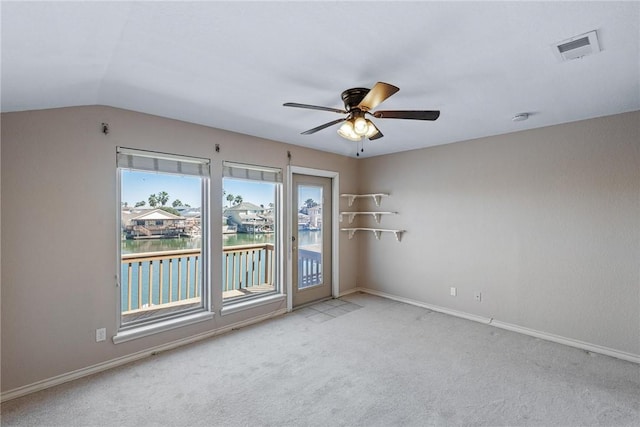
153,224
250,218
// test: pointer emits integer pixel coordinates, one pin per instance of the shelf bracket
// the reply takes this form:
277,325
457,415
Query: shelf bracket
376,232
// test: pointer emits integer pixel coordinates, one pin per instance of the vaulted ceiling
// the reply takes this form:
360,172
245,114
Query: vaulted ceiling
231,65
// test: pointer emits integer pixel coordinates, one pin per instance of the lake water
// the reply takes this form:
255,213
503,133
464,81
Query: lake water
305,237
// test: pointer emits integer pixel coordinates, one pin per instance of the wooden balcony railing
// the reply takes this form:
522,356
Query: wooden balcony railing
169,279
309,268
247,269
153,279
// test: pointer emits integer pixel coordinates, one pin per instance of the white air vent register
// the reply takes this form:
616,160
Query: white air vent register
577,47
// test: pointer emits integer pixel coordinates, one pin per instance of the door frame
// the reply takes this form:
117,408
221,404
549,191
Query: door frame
335,230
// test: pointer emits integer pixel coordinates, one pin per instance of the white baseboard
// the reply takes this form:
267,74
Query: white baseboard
594,348
348,292
103,366
630,357
94,369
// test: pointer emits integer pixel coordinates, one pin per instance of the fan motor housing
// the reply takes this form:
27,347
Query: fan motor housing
353,97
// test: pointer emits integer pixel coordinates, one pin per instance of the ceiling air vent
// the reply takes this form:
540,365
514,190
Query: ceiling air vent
577,47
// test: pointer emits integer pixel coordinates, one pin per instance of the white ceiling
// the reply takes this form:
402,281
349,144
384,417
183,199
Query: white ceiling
231,65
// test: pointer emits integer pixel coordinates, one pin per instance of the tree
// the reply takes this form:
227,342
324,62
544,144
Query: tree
153,200
170,210
309,203
230,197
237,200
176,203
163,197
140,203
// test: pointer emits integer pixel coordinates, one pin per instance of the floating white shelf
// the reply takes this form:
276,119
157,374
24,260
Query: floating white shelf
376,215
377,197
376,232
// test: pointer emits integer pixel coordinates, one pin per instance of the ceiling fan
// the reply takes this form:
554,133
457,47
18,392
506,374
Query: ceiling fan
358,102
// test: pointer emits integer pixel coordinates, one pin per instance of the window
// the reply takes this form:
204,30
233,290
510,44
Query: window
251,232
163,233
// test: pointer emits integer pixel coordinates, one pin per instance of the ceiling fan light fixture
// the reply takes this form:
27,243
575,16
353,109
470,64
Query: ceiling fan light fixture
360,126
357,103
371,129
347,131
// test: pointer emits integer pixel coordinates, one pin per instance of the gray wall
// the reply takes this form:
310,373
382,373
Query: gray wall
59,213
545,223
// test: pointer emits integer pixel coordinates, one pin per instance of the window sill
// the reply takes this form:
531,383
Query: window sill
166,325
245,305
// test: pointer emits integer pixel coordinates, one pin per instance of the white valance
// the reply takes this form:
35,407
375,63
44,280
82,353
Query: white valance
251,172
129,158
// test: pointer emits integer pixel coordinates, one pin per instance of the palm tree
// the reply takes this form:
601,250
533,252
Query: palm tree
230,197
140,203
163,197
176,203
237,200
153,200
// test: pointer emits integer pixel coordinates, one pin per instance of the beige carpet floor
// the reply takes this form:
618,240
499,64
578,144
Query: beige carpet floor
356,361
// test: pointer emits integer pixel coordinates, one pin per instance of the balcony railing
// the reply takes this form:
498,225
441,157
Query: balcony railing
309,268
153,280
248,269
170,280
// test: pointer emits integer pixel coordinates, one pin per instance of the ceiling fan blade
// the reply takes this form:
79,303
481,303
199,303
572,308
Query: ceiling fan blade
376,95
412,115
326,125
313,107
376,135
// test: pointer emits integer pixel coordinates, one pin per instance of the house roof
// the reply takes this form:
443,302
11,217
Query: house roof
244,206
155,214
231,65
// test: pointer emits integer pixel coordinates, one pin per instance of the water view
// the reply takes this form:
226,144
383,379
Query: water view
238,266
305,237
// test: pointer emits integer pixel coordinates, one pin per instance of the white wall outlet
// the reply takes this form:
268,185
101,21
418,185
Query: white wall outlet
453,291
101,334
477,296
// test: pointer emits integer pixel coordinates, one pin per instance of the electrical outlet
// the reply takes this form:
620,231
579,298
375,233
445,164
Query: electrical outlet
454,291
477,296
101,334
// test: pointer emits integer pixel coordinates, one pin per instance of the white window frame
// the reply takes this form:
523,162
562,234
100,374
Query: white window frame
257,173
149,161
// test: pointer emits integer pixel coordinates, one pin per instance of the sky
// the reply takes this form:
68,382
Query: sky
137,186
258,193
